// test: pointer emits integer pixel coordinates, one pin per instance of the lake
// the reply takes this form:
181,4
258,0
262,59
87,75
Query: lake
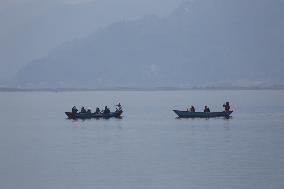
148,148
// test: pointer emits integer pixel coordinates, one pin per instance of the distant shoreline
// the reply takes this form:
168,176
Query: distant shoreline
4,89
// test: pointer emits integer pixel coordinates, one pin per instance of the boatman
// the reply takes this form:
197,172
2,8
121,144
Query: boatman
227,106
119,107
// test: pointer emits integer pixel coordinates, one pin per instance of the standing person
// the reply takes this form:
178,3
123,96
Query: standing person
227,107
119,107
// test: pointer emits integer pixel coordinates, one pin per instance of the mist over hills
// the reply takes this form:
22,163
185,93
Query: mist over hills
202,43
29,31
31,28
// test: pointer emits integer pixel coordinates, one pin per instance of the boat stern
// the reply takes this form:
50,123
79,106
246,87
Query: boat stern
228,114
118,113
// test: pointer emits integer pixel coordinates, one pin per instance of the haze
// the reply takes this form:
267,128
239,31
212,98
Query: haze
31,28
142,43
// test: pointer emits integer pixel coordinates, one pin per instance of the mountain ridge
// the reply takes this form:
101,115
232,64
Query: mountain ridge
200,44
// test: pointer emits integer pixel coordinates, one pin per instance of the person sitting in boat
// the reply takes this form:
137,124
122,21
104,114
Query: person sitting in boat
227,106
74,109
98,110
83,110
206,109
89,111
106,111
192,109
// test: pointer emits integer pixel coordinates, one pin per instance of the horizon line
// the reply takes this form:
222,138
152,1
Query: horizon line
75,89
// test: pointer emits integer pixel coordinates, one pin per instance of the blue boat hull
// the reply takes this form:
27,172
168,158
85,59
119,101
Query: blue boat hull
187,114
116,114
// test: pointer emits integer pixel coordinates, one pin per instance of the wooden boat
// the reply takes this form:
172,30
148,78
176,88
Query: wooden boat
116,114
187,114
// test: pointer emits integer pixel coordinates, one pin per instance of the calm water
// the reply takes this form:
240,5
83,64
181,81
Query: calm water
148,148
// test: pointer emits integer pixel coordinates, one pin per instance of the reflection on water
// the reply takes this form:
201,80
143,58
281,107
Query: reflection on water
148,147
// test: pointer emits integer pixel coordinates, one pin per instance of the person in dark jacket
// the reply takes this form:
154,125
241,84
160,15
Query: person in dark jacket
192,109
83,110
74,109
206,109
98,110
227,107
119,107
106,111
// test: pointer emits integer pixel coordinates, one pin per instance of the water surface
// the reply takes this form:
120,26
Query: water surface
149,148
